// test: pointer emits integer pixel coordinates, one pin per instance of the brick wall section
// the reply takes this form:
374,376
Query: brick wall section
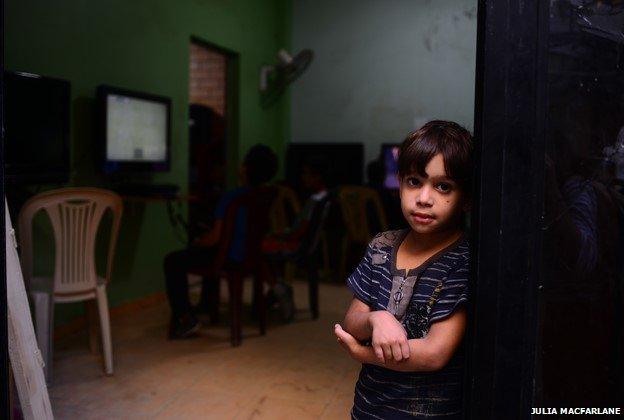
207,78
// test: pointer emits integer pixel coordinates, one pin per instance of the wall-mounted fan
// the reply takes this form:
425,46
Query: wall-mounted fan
275,78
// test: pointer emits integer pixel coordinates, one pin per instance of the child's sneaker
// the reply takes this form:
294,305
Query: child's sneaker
186,327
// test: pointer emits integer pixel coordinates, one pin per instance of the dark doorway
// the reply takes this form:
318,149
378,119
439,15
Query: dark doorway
211,133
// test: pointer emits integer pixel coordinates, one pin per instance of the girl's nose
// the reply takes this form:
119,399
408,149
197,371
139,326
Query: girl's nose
425,198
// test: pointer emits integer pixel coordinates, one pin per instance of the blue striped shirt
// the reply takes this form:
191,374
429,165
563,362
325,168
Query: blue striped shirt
440,285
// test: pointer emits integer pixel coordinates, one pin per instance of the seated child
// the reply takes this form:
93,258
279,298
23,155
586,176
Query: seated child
294,243
411,287
313,179
258,167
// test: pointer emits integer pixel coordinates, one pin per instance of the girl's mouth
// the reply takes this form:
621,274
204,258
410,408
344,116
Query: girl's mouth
422,218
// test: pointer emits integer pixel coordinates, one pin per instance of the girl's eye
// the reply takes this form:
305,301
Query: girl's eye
444,187
413,182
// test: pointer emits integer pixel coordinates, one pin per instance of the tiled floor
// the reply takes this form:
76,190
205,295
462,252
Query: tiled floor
296,371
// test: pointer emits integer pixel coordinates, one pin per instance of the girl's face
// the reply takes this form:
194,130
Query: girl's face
434,203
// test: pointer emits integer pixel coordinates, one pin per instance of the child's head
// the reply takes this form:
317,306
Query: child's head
259,165
435,168
314,173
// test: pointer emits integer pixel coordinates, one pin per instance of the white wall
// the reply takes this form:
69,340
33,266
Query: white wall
382,68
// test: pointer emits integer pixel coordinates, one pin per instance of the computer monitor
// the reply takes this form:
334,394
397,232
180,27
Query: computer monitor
390,154
36,124
135,129
345,162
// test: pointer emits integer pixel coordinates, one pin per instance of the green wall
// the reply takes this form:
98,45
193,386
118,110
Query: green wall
144,45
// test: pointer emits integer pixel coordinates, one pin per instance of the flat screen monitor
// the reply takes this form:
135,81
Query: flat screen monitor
36,124
345,161
135,127
390,153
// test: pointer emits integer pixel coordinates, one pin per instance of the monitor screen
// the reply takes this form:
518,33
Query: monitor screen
136,130
345,162
390,153
36,117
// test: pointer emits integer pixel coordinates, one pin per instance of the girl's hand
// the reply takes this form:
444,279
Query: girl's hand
389,339
348,342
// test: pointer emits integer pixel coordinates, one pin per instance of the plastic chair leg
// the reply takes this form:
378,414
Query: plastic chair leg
235,284
44,324
214,298
313,289
290,270
325,251
107,345
260,304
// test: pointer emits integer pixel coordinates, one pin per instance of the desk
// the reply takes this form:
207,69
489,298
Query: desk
159,198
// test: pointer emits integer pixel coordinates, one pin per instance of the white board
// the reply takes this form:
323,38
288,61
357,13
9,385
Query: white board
24,354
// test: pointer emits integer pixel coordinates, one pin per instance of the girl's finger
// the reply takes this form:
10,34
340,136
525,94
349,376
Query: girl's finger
397,352
379,353
340,333
405,350
387,352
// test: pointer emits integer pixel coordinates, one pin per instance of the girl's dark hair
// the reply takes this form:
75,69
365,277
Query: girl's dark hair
261,164
446,137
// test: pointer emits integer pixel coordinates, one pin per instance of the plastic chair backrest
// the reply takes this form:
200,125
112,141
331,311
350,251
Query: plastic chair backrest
75,215
353,201
285,203
257,204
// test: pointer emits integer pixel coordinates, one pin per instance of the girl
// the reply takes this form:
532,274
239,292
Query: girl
411,287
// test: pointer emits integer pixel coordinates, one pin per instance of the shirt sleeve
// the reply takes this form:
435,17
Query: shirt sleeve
454,293
360,281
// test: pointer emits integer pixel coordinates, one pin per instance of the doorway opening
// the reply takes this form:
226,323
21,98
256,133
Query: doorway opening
212,133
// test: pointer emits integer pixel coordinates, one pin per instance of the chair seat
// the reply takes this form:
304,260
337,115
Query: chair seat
44,285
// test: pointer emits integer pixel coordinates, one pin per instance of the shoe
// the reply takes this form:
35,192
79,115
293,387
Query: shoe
282,301
185,328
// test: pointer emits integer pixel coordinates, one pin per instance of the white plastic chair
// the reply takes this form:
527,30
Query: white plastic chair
75,214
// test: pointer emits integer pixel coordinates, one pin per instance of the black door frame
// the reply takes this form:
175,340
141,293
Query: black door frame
4,338
509,136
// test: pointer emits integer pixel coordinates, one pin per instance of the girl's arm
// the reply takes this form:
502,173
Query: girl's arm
389,339
357,320
426,354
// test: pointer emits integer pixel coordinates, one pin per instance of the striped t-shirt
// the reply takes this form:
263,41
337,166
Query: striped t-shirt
417,298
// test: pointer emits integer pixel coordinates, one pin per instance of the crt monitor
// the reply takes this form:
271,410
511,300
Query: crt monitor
36,118
135,130
390,155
